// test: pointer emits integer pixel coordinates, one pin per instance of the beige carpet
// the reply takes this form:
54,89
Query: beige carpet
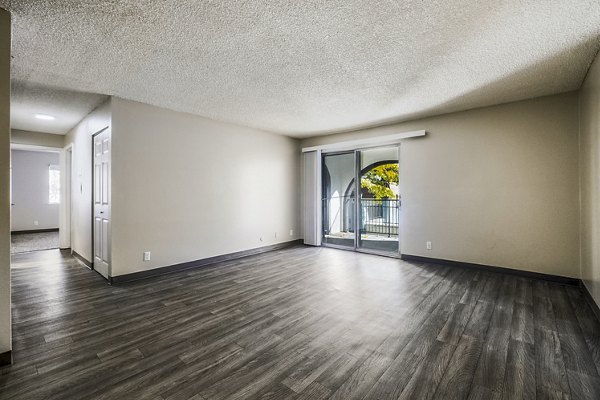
24,242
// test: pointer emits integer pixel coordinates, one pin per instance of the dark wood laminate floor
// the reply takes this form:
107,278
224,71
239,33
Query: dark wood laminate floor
300,323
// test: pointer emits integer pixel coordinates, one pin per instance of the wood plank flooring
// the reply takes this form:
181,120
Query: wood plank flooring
299,323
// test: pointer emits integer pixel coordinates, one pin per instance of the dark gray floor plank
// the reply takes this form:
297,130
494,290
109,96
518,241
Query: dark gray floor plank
549,365
583,386
519,377
426,378
523,323
457,379
363,378
491,367
576,354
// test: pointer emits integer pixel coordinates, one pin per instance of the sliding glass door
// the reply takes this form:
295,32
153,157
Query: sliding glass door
339,200
379,200
363,216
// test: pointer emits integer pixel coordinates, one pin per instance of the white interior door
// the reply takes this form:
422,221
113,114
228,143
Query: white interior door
102,202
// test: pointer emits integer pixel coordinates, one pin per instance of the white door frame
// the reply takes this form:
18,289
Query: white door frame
66,194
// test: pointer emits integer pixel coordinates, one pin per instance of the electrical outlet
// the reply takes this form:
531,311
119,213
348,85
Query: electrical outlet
36,223
428,244
260,238
291,232
146,256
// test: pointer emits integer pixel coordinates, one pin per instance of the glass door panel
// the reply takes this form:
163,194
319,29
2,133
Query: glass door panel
338,196
379,200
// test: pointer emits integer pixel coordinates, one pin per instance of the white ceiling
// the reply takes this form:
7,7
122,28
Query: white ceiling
300,67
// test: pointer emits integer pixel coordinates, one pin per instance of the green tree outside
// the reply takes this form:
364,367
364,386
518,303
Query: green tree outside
377,181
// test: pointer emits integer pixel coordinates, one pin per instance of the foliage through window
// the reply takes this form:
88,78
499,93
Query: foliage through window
381,181
53,184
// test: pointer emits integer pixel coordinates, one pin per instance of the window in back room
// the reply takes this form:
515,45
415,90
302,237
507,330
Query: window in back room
53,184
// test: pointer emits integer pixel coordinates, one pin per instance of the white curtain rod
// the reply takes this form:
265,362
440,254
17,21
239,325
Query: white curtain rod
367,142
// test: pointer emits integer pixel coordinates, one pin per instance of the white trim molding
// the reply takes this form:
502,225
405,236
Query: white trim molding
66,176
35,147
367,142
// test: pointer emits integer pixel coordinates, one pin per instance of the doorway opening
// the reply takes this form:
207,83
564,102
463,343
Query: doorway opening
361,200
35,197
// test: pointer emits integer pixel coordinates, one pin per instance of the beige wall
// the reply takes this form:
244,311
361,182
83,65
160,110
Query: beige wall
495,185
30,191
187,188
5,321
80,137
589,101
37,138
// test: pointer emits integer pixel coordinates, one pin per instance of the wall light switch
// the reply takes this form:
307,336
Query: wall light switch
146,256
291,232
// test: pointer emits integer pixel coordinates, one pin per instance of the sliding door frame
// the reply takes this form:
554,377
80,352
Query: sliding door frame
322,161
357,204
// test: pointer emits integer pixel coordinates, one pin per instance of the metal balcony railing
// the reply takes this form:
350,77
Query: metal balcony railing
379,217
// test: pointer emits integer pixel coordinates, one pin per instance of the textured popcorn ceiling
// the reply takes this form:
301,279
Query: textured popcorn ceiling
299,67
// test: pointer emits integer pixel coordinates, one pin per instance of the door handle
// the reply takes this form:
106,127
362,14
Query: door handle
101,212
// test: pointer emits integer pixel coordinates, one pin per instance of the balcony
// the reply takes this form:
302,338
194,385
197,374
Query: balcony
379,223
